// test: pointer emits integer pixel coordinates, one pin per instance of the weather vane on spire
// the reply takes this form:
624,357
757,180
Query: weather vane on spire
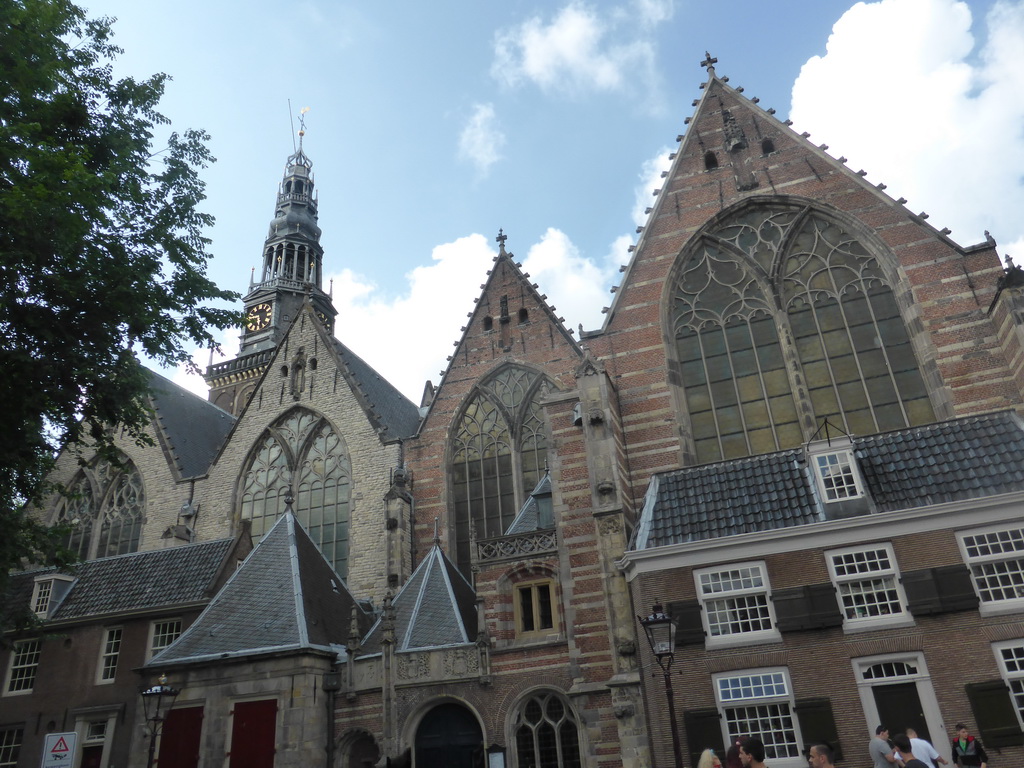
302,124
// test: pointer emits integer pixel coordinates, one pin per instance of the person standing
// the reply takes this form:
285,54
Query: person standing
880,749
967,750
752,753
924,751
820,756
907,757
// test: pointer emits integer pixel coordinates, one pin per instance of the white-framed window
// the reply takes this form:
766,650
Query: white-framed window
736,603
1010,656
41,597
535,608
867,582
759,702
995,557
837,476
21,675
162,633
109,652
10,746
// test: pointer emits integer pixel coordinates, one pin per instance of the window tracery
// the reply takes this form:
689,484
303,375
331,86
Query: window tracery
303,455
546,732
781,314
498,453
104,509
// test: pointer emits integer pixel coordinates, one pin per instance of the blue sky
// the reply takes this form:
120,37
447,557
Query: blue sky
431,125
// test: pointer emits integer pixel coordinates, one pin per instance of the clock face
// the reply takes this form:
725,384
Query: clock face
324,318
258,317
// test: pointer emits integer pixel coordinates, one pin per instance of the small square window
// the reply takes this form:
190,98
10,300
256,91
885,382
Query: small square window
736,604
535,608
21,677
109,654
867,582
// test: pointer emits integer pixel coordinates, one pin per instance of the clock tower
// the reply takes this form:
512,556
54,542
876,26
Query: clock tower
291,274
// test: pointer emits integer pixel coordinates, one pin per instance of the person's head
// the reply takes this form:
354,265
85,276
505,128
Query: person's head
819,756
882,732
752,751
962,732
902,742
911,733
708,759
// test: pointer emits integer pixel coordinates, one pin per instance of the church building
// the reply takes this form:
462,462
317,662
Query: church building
797,436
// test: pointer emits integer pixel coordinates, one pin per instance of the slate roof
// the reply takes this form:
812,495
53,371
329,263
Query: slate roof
943,462
284,597
435,608
193,428
184,575
396,414
528,518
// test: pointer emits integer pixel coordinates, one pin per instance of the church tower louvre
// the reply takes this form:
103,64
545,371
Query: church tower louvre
291,273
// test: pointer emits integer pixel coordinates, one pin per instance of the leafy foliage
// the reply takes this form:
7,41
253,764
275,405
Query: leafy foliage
102,252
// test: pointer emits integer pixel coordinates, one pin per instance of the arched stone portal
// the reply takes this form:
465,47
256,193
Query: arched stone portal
449,736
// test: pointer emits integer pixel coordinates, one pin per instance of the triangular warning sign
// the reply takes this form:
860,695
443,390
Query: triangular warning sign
60,746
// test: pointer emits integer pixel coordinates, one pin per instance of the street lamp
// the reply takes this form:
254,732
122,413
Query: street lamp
157,701
661,634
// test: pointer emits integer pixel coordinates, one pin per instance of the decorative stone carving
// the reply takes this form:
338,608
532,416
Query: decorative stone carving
412,666
461,662
609,525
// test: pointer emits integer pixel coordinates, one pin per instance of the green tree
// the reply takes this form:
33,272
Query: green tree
102,252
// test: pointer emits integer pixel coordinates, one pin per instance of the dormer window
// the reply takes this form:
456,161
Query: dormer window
837,476
48,590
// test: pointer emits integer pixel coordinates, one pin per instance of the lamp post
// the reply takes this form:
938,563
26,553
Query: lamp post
157,701
661,634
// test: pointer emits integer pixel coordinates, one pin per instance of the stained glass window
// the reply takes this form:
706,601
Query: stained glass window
779,312
498,455
104,509
303,454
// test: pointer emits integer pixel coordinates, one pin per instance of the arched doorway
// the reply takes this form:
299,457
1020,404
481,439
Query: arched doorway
449,736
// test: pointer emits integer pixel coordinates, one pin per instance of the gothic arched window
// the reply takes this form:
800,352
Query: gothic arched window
782,318
303,455
546,733
104,508
498,452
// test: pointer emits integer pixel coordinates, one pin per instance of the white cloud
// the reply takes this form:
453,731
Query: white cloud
481,139
650,180
900,95
580,50
653,12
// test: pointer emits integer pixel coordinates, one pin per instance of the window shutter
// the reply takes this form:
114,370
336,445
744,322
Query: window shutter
939,590
689,627
994,713
818,725
807,607
956,588
703,731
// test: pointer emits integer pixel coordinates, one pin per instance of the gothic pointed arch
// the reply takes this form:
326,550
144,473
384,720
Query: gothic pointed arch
104,507
545,731
782,313
497,451
303,456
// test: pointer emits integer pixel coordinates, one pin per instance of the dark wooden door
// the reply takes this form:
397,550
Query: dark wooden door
449,737
899,708
181,737
253,734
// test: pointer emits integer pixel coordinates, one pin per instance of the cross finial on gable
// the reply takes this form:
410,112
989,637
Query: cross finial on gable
500,240
709,63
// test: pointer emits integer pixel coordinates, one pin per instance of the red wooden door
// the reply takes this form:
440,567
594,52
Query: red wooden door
253,734
180,739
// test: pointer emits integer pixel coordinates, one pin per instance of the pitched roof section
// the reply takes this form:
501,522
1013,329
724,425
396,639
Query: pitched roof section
284,597
528,518
184,575
192,428
944,462
435,608
395,415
